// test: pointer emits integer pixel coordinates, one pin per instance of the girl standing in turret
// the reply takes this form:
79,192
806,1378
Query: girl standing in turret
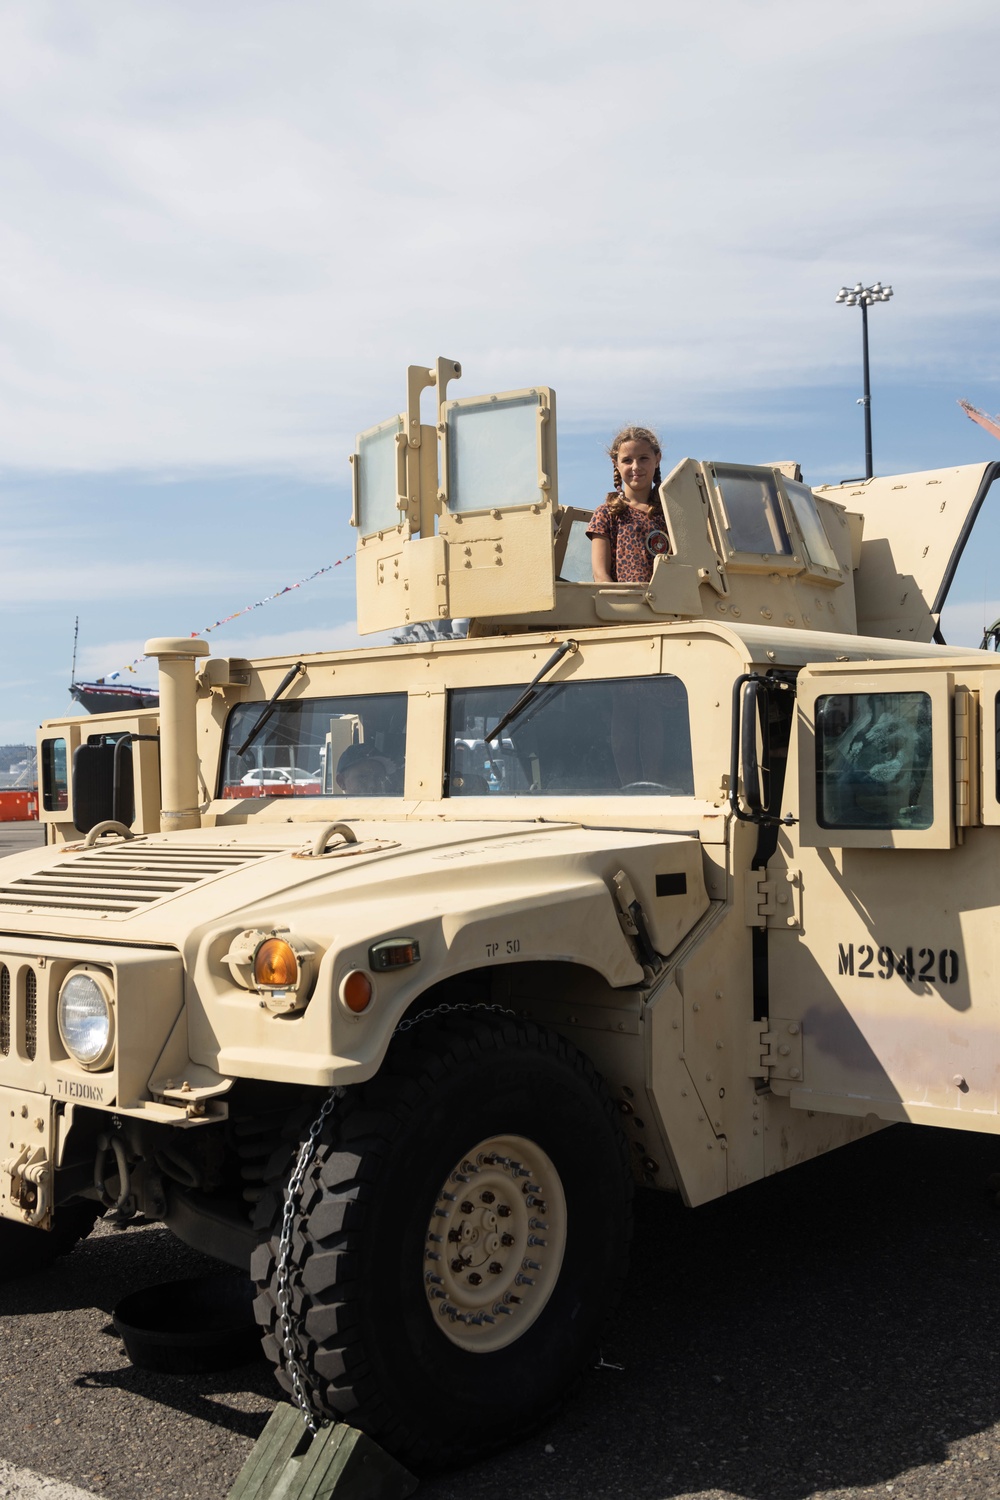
628,530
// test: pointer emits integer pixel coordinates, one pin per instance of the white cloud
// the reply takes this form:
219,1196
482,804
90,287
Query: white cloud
228,228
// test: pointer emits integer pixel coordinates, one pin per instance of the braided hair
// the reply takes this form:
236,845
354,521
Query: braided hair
617,503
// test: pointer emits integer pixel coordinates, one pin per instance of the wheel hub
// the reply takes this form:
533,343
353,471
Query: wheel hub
495,1243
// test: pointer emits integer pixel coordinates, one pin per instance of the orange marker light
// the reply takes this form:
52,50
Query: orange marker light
275,965
357,991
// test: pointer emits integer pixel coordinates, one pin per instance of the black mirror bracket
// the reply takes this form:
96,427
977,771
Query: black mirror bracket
748,691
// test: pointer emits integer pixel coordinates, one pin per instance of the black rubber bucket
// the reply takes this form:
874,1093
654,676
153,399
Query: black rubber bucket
189,1327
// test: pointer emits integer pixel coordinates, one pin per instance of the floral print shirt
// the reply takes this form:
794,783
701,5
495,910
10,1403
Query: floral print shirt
631,559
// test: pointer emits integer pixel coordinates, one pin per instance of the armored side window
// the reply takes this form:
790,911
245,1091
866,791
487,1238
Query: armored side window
318,747
55,781
582,739
874,761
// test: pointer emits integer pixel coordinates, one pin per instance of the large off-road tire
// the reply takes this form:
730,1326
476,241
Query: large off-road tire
24,1249
460,1241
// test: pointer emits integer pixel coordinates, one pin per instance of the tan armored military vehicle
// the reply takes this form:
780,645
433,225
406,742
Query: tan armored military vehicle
387,973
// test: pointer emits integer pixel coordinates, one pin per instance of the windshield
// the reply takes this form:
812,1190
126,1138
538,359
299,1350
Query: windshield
318,747
575,738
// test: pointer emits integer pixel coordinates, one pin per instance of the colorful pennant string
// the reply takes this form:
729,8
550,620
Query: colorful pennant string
289,587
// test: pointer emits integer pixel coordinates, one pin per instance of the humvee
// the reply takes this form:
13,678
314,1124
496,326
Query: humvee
387,974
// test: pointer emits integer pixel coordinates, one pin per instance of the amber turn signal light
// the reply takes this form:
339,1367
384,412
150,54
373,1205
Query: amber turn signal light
394,953
356,991
275,965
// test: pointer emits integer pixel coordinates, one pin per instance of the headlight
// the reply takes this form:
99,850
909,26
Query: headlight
87,1019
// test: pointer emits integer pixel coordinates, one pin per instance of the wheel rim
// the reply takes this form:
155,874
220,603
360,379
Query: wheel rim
495,1242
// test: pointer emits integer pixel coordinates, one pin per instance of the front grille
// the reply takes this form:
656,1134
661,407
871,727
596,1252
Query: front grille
4,1011
23,991
30,1015
126,878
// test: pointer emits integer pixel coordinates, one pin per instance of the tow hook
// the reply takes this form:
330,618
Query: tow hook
122,1202
30,1183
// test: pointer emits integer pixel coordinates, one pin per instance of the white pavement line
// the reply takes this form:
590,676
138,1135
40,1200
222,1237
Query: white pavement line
22,1484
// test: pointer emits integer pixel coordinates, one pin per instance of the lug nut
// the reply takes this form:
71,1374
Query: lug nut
487,1197
454,1235
507,1239
495,1268
503,1210
474,1278
466,1207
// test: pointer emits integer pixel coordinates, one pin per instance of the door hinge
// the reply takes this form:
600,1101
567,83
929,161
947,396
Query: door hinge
776,1050
774,899
966,755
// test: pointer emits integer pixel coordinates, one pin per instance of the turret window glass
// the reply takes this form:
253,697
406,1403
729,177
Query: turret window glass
318,747
582,739
752,510
493,453
874,761
377,500
814,535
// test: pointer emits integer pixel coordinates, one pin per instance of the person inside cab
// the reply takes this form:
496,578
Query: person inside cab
362,772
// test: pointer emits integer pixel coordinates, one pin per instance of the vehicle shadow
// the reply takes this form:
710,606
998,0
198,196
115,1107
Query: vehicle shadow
831,1328
191,1395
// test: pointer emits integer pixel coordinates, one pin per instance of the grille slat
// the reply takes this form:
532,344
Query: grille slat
30,1015
125,878
4,1011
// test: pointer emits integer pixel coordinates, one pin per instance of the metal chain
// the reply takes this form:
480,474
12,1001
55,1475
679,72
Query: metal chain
313,1419
285,1325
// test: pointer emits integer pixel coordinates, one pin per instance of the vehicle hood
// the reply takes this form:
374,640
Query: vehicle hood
157,889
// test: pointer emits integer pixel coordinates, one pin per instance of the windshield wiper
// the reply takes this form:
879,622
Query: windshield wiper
520,704
270,706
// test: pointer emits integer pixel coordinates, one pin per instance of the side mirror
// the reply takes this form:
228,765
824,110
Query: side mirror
103,784
752,755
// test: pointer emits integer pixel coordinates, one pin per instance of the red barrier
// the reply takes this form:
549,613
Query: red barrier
19,805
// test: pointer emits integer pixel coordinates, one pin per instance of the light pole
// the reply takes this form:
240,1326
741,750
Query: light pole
863,297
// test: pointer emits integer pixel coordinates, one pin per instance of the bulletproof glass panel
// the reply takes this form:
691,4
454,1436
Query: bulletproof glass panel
582,739
752,510
814,535
874,761
493,454
378,506
576,563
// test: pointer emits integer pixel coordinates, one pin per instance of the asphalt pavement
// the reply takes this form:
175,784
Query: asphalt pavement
829,1333
17,836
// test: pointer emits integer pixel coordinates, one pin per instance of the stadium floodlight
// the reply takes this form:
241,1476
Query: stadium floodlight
863,297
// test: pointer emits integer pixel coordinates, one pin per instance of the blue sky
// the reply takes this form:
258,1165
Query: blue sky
226,230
